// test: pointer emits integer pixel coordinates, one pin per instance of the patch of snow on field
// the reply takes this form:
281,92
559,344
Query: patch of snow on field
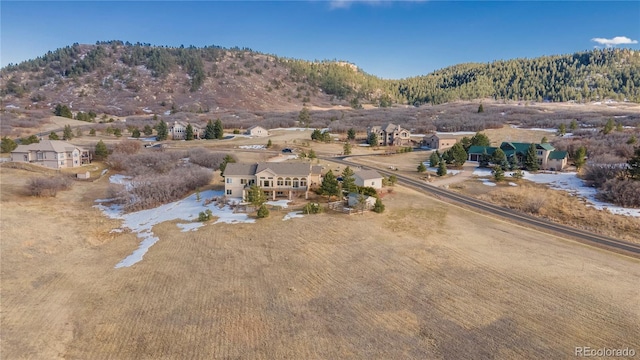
254,147
487,182
512,184
293,214
142,222
147,110
293,129
282,203
435,169
482,172
552,130
568,181
281,158
456,133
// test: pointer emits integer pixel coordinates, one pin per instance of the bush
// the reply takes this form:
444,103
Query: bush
379,206
206,158
263,212
312,208
597,174
623,192
48,187
205,215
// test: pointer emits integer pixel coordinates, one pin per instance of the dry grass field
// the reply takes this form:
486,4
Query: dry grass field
424,280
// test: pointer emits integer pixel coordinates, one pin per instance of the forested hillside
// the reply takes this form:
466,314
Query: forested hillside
124,79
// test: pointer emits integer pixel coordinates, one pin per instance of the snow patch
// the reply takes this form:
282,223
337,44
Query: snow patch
292,215
254,147
435,169
282,203
487,182
512,184
281,158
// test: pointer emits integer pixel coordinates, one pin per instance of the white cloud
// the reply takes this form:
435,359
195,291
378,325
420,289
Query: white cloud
618,40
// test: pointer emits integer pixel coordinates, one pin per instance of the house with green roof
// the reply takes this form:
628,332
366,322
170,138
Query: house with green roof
548,157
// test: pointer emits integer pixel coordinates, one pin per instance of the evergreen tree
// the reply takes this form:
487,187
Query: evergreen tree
379,206
518,174
434,159
135,133
421,168
608,127
33,139
348,181
442,169
573,126
53,136
393,180
530,159
316,135
101,151
580,157
218,129
480,108
63,110
263,212
223,165
484,159
480,139
148,130
92,132
351,134
372,140
312,154
499,158
513,162
162,131
256,196
562,129
634,164
544,140
117,132
304,117
458,154
269,144
498,173
346,149
209,130
188,133
67,133
8,145
466,143
330,186
632,140
78,131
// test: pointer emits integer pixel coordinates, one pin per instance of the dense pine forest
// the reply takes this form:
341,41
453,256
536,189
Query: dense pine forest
585,76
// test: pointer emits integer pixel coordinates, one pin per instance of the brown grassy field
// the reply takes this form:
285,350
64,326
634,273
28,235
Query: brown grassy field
424,280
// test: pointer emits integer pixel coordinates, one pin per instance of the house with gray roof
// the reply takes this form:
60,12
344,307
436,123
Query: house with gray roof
277,179
257,130
55,154
370,178
391,135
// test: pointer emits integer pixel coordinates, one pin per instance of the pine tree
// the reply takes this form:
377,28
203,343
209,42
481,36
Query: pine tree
484,159
562,129
209,131
379,206
346,149
458,154
223,165
544,140
632,140
372,140
348,181
148,130
67,133
304,117
351,134
78,131
499,158
330,186
218,129
434,159
53,136
421,168
312,154
580,157
269,144
256,196
608,127
135,133
573,126
101,151
480,108
117,132
162,131
188,132
8,145
513,162
530,159
263,212
480,139
442,169
498,173
92,132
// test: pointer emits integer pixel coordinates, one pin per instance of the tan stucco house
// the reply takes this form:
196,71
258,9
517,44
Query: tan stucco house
391,135
277,179
55,154
435,141
370,178
178,130
548,157
257,130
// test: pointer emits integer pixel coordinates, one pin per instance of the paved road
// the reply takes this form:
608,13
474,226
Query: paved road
582,236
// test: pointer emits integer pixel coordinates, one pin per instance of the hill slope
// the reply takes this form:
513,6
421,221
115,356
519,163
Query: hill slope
124,79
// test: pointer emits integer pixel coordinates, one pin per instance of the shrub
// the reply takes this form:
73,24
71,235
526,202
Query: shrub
312,208
205,215
623,192
263,212
379,206
597,174
206,158
128,147
48,186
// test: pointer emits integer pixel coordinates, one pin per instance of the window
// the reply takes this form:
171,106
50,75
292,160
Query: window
229,192
539,161
295,182
373,183
280,182
243,181
229,180
40,156
303,182
287,182
539,152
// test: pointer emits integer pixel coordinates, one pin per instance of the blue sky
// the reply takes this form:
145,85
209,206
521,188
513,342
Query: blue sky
387,39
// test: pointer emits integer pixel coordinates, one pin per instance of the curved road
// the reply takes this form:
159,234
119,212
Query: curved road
582,236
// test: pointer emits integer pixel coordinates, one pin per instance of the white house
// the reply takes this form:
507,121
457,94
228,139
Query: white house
55,154
178,130
369,178
257,130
